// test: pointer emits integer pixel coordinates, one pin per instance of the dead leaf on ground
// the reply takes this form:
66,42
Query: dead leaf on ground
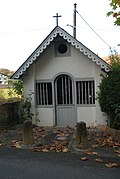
45,150
117,151
90,153
94,146
52,148
94,153
17,145
111,165
117,144
14,141
65,150
84,158
58,150
98,160
37,149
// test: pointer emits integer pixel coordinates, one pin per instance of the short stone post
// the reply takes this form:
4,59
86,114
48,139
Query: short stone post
27,133
81,135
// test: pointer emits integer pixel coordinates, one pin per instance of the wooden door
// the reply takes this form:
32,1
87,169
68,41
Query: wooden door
64,101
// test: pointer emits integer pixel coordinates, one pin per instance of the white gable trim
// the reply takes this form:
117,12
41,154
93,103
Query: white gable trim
58,30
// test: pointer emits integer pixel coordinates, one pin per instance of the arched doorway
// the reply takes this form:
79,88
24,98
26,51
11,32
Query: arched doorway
64,101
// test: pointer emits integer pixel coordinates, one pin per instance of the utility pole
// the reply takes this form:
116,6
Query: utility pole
74,21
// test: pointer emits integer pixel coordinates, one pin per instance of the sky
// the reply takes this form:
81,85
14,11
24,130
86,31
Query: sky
24,24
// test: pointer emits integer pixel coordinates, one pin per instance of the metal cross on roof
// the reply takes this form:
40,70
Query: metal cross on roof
57,18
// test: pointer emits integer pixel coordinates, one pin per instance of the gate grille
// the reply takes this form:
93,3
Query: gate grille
64,90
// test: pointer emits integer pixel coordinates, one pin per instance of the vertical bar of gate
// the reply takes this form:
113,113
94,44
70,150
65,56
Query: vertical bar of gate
92,88
62,90
38,95
85,93
46,88
78,92
65,90
82,91
56,93
41,94
89,96
69,91
44,93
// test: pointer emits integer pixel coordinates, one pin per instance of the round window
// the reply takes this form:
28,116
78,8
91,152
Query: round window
62,48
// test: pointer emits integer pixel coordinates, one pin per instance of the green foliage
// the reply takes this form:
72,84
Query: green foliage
3,95
115,5
16,87
109,94
26,108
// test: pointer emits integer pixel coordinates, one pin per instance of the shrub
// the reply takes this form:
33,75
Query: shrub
109,94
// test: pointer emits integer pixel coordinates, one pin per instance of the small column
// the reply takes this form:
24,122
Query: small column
81,135
27,133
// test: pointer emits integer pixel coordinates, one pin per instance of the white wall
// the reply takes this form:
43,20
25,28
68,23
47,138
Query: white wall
45,116
48,67
87,115
77,64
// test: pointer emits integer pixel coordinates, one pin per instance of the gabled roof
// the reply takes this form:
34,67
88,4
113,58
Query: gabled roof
70,39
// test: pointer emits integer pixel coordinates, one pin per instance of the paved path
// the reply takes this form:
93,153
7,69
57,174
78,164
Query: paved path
22,164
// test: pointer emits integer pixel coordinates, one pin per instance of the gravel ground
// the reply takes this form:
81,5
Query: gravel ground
43,137
46,139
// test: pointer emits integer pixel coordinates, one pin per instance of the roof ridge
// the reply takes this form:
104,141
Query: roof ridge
70,39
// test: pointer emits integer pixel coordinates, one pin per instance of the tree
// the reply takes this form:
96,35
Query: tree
16,87
115,12
6,72
109,92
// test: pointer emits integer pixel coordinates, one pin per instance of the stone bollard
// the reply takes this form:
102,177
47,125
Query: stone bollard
81,135
27,133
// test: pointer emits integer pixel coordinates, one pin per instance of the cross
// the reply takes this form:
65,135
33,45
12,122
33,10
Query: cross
57,18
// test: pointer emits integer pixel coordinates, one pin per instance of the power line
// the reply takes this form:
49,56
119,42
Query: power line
24,31
94,30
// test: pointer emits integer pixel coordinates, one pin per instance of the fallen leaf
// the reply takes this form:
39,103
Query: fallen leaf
117,151
111,165
14,141
110,139
17,145
65,150
36,149
117,144
88,152
94,146
98,160
45,150
94,153
84,158
52,148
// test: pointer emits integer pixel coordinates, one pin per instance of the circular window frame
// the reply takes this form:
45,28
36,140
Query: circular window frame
62,48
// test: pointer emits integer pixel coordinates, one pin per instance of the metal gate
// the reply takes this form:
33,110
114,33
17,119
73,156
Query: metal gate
64,101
